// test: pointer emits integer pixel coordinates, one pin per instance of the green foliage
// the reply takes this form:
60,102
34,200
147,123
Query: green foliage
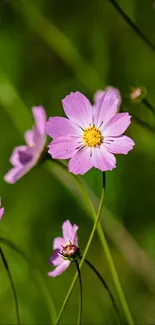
48,49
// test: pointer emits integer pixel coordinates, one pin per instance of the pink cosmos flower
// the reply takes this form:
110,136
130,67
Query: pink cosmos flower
25,157
91,134
1,210
65,249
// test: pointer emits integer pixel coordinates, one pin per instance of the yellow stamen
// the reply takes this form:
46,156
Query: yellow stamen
92,137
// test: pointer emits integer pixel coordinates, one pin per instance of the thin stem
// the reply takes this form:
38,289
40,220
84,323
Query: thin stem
132,25
106,287
116,280
148,105
81,294
104,244
83,257
12,284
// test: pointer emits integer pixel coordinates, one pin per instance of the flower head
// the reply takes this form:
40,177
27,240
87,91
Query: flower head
65,248
1,210
25,157
91,134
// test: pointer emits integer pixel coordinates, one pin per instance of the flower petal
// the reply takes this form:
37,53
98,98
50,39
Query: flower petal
17,172
26,156
107,107
60,268
81,162
102,159
69,231
58,243
98,94
61,126
14,159
1,213
13,175
40,118
117,125
29,138
118,145
64,147
56,258
78,109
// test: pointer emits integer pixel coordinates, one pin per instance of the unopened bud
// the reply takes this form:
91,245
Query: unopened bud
137,94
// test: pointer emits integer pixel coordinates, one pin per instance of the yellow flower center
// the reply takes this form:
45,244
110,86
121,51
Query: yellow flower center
67,248
92,137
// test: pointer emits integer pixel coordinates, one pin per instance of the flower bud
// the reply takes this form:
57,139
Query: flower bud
137,94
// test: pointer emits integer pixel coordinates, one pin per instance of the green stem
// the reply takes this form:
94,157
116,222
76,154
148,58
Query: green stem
132,25
106,287
104,244
81,294
37,276
83,257
12,284
116,281
148,105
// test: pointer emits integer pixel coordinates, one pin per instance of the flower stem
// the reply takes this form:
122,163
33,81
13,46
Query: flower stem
104,244
116,280
81,294
132,25
12,284
83,257
106,287
148,105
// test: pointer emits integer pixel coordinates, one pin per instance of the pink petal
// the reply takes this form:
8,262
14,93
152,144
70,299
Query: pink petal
55,259
98,95
78,109
61,126
14,159
103,159
81,162
106,107
117,125
64,147
120,145
40,118
1,213
58,243
14,174
29,138
39,139
60,268
69,231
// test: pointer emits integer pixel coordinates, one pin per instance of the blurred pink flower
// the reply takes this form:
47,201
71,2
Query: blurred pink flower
1,211
99,93
91,134
25,157
65,249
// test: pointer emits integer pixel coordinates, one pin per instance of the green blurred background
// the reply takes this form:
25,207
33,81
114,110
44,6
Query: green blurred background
49,48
